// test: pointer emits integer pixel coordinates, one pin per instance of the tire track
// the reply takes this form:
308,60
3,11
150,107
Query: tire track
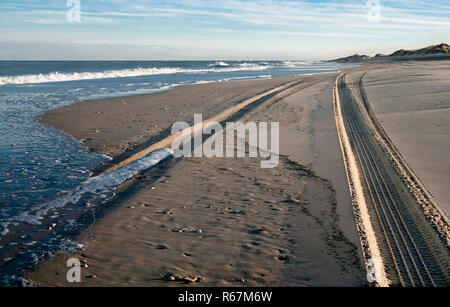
412,259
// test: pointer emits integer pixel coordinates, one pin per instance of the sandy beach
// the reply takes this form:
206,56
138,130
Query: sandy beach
219,222
412,103
195,147
116,126
227,222
408,190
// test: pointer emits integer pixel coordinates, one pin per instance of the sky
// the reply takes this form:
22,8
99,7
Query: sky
217,29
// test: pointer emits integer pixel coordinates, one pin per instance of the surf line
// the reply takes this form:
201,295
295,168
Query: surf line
167,142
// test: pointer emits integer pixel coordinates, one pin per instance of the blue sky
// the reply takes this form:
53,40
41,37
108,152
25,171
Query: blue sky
219,29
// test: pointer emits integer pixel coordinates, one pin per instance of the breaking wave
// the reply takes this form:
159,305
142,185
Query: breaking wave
108,74
219,64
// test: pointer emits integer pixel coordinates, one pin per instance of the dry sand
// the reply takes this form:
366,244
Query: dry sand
222,222
411,101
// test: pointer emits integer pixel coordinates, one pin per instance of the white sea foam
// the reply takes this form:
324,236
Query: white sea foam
101,186
246,78
4,228
294,64
234,79
219,64
204,82
76,76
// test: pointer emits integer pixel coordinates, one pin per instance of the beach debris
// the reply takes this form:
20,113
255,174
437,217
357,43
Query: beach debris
8,181
52,226
93,276
187,230
167,212
130,207
179,278
13,145
292,199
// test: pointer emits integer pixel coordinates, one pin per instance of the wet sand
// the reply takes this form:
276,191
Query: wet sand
221,221
115,126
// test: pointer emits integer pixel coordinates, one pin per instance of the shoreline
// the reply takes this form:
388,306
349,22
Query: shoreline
112,159
316,158
157,133
322,80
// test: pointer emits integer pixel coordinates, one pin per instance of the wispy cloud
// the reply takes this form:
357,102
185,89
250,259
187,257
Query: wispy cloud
41,16
228,24
294,14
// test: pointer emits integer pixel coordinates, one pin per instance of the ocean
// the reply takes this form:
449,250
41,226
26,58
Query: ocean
40,167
